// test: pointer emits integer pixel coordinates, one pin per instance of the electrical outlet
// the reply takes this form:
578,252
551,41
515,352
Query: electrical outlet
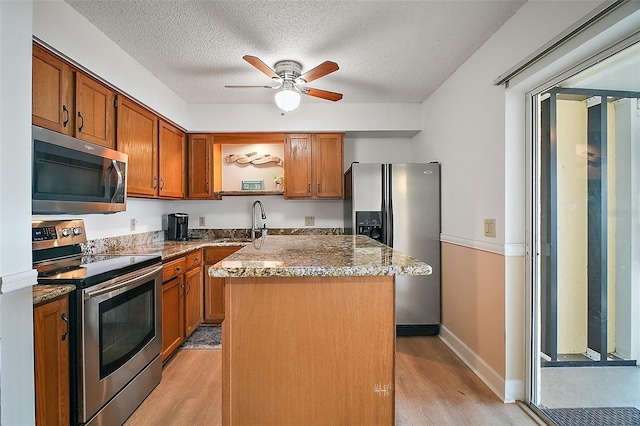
132,224
201,221
490,228
309,220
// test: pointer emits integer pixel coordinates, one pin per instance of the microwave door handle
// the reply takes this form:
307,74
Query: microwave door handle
114,168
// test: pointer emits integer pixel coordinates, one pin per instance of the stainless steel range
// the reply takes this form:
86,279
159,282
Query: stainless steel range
115,323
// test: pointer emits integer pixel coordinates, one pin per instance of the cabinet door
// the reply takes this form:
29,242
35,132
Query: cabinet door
138,137
95,112
327,165
200,166
214,298
297,166
214,287
51,345
172,315
52,92
194,300
172,150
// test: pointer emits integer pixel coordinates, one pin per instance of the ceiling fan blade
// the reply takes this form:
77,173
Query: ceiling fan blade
327,67
236,86
261,66
324,94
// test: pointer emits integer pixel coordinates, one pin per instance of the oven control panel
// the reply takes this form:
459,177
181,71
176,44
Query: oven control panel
56,233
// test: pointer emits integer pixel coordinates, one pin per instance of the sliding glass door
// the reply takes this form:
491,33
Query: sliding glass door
586,268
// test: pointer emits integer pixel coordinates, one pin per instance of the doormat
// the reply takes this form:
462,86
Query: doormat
205,337
605,416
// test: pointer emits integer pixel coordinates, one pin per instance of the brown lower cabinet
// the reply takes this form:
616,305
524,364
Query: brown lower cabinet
214,287
182,300
51,352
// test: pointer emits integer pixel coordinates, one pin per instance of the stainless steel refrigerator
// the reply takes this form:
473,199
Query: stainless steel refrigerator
399,205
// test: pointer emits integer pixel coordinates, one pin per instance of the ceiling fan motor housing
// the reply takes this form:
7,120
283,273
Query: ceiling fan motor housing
289,71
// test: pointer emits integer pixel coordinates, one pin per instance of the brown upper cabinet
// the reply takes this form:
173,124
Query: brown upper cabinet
52,93
313,165
156,152
138,137
204,171
95,112
68,101
172,171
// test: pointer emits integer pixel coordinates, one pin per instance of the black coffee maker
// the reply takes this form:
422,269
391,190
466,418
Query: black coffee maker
178,228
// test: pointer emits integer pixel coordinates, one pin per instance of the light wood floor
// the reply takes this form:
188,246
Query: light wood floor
433,387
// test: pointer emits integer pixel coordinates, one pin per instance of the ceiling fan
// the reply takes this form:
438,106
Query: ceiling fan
290,82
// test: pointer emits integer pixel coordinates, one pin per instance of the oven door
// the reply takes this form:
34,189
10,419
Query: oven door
121,335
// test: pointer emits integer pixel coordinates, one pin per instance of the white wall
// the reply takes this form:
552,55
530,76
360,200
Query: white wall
16,276
378,150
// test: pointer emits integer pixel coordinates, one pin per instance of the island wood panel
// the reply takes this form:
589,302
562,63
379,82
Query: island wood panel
309,350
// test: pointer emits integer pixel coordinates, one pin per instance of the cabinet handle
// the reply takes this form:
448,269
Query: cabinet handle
177,268
66,333
206,191
182,292
155,182
161,184
188,287
195,259
318,187
309,187
66,120
81,125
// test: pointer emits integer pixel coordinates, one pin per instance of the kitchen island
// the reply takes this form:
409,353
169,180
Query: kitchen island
309,331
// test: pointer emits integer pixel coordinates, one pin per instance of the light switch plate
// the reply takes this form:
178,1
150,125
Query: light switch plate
309,220
490,228
201,221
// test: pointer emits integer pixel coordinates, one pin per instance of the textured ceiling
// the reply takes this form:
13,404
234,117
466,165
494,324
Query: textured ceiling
388,51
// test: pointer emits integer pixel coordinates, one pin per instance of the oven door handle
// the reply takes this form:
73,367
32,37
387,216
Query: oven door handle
121,285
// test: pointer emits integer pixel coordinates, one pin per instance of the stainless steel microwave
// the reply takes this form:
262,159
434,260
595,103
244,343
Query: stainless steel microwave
72,176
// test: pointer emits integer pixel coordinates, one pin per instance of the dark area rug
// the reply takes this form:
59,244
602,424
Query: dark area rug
205,337
614,416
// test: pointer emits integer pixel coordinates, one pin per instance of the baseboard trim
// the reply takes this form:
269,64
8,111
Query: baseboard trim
508,391
17,281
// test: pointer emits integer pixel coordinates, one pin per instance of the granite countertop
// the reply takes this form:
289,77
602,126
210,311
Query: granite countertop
317,255
170,249
166,249
45,293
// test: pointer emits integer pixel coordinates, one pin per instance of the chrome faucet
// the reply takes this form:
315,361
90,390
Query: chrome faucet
253,218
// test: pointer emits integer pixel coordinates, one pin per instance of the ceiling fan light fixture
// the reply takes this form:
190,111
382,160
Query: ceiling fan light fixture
287,99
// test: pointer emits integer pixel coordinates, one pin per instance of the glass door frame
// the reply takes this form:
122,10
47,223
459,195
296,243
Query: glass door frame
532,218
